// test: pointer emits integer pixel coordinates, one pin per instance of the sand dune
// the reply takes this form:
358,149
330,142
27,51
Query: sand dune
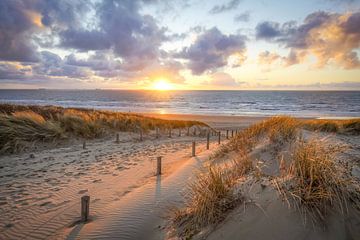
41,190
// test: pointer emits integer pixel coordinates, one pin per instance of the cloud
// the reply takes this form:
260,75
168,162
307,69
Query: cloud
346,85
331,37
134,37
120,41
268,58
15,25
52,65
242,17
11,70
211,50
20,20
223,79
84,40
233,4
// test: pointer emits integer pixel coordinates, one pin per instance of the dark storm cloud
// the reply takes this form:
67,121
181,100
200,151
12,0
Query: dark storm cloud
330,37
211,50
225,7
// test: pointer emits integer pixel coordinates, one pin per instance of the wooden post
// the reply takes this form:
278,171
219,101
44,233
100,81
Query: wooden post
188,132
158,169
208,141
84,145
227,134
194,131
219,137
85,208
193,149
232,133
141,135
157,132
236,132
117,138
179,132
170,133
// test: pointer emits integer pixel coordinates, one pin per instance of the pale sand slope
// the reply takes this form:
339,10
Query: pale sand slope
40,194
264,215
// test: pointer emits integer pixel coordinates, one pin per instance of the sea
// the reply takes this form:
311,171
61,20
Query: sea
314,104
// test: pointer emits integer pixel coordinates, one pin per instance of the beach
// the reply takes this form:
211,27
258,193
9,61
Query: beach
48,183
41,187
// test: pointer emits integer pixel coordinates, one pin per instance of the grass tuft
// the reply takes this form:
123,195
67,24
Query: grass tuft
315,182
207,199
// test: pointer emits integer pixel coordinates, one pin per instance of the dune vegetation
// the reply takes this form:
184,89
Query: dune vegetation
24,125
350,126
311,180
315,184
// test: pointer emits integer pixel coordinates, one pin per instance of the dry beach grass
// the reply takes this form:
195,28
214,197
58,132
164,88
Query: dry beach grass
21,126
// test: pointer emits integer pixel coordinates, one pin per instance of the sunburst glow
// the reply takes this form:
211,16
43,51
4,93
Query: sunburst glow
162,85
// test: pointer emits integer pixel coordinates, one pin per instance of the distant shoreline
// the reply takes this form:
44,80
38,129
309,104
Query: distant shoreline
205,117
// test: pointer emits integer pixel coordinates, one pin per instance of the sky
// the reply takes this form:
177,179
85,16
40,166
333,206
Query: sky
180,44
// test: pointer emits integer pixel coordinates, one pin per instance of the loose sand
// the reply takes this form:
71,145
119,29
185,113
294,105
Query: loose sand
40,190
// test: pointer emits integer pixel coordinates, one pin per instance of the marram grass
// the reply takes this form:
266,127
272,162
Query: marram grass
24,125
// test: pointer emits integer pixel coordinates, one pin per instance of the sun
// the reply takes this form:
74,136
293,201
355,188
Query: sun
162,85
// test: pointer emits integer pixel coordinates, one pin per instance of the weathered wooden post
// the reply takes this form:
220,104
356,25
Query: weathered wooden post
141,134
84,145
193,149
208,141
179,132
170,135
157,132
227,134
236,131
232,133
117,138
188,132
219,139
158,168
85,208
194,131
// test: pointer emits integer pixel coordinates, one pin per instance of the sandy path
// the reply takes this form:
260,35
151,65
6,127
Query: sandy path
140,214
40,194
